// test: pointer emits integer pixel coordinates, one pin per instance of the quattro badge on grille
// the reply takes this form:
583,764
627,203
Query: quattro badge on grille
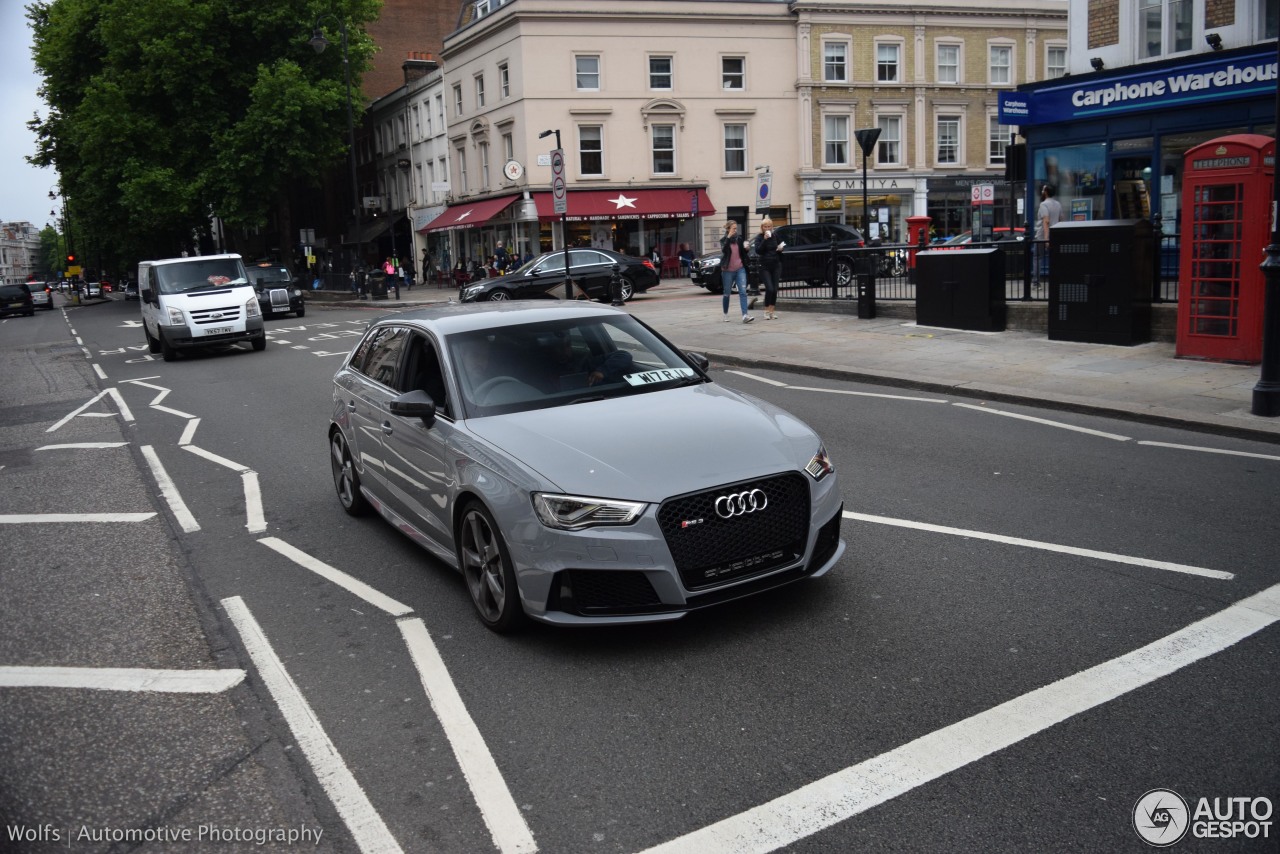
741,503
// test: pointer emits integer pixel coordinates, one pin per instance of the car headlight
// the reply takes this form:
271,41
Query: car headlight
469,292
297,292
820,465
175,317
251,308
574,512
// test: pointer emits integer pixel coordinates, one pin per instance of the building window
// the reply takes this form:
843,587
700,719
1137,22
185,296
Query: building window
735,148
887,63
417,123
504,81
835,141
1055,62
948,137
591,150
1001,65
835,62
457,99
664,149
462,169
660,72
733,72
479,91
889,145
508,148
948,63
997,140
1164,27
587,72
484,165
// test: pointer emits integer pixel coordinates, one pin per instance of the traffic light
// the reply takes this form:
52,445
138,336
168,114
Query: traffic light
71,259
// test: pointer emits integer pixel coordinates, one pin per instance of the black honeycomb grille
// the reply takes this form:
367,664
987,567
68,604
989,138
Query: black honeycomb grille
608,592
710,550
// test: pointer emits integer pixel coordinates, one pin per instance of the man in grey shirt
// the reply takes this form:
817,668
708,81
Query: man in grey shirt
1048,214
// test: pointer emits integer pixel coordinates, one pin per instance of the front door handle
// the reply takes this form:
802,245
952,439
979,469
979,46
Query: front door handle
386,428
351,406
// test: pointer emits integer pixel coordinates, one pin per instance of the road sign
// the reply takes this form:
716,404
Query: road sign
983,194
764,188
559,194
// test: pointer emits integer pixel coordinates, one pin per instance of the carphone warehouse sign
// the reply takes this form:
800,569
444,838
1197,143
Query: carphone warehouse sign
1206,78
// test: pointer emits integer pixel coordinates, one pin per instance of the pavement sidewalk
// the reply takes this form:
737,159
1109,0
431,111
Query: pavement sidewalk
1142,383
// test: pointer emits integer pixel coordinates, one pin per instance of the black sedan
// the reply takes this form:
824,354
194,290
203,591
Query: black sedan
543,277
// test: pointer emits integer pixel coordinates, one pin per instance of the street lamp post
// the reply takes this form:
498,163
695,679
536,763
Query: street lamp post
564,228
318,42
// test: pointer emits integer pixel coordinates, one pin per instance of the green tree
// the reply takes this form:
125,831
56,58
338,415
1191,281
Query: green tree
163,114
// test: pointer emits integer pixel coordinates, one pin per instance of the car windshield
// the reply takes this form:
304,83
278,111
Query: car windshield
200,274
269,275
560,363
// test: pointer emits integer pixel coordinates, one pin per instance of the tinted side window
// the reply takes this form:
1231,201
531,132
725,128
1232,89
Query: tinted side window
378,356
794,236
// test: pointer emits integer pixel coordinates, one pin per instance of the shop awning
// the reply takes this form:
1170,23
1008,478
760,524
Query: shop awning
468,214
628,204
369,231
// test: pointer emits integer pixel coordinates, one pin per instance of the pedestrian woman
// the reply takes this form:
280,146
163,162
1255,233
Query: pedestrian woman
767,247
733,268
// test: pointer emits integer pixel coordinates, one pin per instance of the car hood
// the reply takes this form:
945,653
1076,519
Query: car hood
649,446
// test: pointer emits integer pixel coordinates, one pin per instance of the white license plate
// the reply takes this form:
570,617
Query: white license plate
218,330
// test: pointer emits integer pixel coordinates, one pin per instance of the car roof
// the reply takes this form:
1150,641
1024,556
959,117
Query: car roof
453,318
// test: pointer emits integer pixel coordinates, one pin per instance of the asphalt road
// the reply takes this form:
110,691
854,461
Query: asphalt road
1002,661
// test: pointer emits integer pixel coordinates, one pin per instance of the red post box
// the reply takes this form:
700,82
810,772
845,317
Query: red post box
916,226
1226,225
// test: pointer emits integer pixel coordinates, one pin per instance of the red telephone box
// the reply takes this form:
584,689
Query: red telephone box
1226,224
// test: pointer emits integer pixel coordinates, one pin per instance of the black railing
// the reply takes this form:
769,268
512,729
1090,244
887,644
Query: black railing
892,267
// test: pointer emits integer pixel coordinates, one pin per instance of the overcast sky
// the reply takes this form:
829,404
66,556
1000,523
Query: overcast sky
24,189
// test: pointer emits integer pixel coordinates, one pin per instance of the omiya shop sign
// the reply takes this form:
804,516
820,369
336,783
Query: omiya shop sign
1186,84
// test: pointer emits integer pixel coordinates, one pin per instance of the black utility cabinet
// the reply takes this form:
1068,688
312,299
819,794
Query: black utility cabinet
960,289
1100,281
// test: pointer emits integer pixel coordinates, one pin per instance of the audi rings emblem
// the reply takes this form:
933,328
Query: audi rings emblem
741,503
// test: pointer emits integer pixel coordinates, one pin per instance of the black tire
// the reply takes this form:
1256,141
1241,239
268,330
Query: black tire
166,351
499,295
153,346
259,343
346,481
486,569
302,312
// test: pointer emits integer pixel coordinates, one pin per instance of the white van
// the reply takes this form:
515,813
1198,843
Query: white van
198,302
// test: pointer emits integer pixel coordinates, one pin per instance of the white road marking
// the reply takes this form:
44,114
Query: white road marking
90,445
758,378
255,521
338,577
189,432
858,788
97,369
122,679
506,824
176,412
1050,547
170,492
90,402
40,518
214,458
1044,421
1210,450
870,394
97,415
367,827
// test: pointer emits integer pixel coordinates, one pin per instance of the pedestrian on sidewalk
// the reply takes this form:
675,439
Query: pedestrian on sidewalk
1048,215
733,268
767,247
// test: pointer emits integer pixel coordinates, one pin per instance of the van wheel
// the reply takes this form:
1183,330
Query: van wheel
166,351
259,343
153,346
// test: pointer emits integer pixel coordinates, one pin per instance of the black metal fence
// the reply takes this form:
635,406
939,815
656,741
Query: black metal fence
890,271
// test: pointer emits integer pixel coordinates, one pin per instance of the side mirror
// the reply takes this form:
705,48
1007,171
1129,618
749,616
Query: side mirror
145,294
414,404
699,361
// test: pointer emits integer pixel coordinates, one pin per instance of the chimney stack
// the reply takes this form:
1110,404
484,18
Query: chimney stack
419,64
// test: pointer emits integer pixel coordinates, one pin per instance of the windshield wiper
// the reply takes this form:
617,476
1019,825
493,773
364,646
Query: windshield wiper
591,399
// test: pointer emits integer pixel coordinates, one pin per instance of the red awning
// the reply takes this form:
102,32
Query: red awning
628,204
468,214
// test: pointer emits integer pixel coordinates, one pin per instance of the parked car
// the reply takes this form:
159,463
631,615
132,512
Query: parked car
93,289
277,288
529,445
131,289
41,295
543,277
16,299
806,258
966,237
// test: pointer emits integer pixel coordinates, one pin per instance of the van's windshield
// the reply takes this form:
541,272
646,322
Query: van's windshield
200,274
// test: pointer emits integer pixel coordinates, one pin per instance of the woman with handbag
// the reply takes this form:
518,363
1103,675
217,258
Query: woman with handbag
766,248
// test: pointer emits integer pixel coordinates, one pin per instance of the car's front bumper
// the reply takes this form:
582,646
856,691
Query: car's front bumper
180,337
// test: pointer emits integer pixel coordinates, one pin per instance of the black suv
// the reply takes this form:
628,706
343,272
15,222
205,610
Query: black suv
805,259
278,291
16,299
